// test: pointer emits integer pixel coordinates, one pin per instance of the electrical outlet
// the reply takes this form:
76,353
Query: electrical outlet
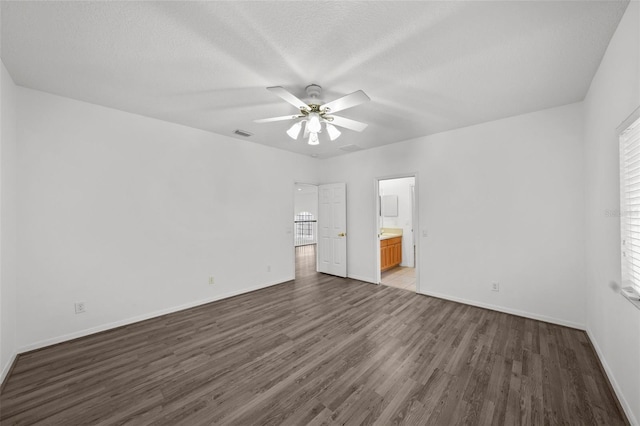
268,268
80,308
495,286
211,281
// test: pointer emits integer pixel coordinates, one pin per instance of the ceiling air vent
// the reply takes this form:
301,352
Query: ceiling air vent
350,148
242,133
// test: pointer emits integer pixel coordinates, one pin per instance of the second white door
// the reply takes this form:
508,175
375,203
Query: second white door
332,229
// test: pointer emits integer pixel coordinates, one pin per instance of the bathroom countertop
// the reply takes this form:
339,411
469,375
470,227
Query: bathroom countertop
387,236
390,233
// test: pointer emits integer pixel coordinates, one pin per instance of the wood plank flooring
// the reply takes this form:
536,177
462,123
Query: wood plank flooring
318,350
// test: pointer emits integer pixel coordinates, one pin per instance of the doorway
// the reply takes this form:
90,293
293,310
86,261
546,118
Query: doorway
305,226
396,223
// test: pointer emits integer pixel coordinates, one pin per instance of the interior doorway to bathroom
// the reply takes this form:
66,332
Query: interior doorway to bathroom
396,241
305,228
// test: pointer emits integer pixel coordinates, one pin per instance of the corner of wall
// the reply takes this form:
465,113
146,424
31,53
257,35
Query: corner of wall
612,324
8,192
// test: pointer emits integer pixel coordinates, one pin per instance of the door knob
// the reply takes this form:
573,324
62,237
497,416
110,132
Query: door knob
342,234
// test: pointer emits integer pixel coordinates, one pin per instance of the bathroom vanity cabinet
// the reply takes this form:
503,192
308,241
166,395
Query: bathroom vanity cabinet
390,252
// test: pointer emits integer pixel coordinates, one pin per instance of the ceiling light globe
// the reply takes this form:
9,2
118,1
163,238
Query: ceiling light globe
294,130
314,123
333,132
313,138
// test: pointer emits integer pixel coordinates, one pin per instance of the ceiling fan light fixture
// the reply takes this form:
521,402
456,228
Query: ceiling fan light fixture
314,123
313,113
313,138
333,132
294,131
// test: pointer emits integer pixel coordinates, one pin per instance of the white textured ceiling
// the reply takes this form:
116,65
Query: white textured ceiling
427,66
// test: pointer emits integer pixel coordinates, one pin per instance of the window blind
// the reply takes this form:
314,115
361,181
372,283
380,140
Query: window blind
630,204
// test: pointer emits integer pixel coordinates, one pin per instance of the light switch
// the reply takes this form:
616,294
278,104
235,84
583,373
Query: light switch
424,233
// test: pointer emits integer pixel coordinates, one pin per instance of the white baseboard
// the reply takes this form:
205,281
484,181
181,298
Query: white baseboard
506,310
115,324
616,388
6,368
361,278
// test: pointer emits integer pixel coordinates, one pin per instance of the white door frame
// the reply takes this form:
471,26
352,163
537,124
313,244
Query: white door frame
415,224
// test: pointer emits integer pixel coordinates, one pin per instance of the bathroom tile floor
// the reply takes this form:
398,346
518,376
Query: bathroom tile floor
400,277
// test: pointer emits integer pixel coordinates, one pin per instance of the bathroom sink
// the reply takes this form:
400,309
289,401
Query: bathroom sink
387,235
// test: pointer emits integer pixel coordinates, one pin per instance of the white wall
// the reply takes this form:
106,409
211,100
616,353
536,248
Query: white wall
612,322
8,312
306,200
501,201
402,188
131,215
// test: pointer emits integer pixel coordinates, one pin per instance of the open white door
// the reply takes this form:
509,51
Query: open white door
332,229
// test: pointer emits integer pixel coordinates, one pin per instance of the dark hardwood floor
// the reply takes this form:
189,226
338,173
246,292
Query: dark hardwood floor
318,350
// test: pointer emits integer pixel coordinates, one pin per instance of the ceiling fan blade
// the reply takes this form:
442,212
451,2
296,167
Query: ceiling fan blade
283,118
348,123
284,94
347,101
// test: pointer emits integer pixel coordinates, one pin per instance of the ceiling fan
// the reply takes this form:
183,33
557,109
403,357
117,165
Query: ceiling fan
314,114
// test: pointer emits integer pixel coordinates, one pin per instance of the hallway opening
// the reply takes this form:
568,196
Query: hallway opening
305,222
